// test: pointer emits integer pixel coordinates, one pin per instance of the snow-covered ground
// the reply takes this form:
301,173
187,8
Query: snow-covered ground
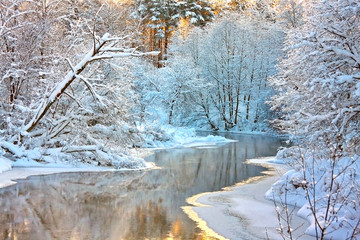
333,188
26,166
183,137
241,211
5,164
8,178
247,210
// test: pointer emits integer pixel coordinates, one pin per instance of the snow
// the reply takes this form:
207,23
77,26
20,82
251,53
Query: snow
5,164
201,141
242,212
8,178
357,92
292,186
25,167
183,137
253,203
12,148
28,163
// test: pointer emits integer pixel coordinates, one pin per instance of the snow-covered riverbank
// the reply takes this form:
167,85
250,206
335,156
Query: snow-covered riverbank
241,211
23,168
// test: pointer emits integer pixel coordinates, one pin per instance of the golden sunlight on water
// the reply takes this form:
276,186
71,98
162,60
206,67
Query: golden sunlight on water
207,231
193,201
154,204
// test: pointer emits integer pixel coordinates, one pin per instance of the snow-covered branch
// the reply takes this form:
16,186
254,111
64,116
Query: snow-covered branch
92,55
318,94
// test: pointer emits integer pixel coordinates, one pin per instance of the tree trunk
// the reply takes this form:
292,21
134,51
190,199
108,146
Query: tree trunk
237,105
12,90
172,104
207,114
166,43
64,84
248,107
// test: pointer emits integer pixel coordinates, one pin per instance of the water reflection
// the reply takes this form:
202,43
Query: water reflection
128,205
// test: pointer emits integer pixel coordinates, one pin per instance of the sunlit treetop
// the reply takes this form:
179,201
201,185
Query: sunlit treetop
119,1
247,6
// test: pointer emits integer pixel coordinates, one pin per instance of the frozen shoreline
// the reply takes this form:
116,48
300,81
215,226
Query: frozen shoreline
9,177
241,211
9,174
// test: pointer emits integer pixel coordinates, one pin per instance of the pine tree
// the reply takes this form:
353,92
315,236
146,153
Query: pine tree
160,18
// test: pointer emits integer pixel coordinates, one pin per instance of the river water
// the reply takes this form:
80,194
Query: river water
129,204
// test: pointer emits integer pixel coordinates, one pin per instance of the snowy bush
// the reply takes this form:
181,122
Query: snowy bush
331,190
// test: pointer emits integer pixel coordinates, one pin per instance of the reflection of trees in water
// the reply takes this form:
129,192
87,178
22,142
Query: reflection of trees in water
200,170
77,206
84,207
150,221
126,205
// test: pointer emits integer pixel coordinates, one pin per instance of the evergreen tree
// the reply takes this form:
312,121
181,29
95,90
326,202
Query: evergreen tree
198,12
160,18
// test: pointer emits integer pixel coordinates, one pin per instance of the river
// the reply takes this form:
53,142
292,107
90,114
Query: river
129,204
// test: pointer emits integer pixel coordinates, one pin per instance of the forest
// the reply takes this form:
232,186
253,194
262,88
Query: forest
92,81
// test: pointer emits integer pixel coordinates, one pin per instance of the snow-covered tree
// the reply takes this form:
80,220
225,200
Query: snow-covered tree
30,55
57,101
216,77
169,94
183,87
318,92
319,81
260,9
235,56
160,18
198,12
290,12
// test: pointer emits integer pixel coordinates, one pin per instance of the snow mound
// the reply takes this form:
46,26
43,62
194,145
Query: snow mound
268,160
5,164
182,137
336,196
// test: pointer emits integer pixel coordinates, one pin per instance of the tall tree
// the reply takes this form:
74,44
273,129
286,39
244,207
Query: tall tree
160,18
290,12
319,78
237,56
231,60
260,9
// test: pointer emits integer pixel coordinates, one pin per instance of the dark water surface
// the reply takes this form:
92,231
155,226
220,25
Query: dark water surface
130,204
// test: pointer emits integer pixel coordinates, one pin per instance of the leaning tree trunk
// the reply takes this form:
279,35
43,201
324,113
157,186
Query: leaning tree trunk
97,53
64,84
